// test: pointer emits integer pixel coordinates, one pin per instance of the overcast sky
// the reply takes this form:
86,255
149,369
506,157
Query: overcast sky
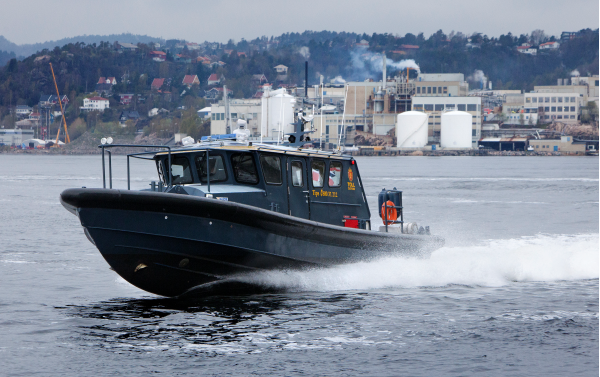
32,21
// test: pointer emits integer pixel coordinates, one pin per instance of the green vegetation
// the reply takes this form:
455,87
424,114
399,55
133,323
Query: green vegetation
78,67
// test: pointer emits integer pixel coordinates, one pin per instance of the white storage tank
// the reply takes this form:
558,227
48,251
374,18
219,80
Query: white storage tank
456,130
412,129
277,113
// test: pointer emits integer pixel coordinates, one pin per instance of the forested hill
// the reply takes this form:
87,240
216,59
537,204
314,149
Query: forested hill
79,65
25,50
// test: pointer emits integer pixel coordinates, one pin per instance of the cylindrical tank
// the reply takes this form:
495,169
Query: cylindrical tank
378,101
456,130
412,129
277,113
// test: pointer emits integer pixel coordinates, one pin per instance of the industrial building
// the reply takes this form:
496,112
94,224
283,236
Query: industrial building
564,144
247,109
550,106
436,106
13,137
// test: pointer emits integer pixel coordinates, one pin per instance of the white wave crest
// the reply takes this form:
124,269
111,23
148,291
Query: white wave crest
497,263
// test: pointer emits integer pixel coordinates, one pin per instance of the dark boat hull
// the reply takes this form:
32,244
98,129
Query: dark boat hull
168,244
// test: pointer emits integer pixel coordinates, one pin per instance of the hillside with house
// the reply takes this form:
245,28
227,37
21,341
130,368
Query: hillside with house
164,83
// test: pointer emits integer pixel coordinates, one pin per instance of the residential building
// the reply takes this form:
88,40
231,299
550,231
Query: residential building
122,46
104,86
129,115
549,46
107,80
281,69
23,110
95,104
190,80
158,56
126,98
179,58
215,93
435,106
157,84
192,46
259,78
52,99
248,109
215,79
566,36
527,50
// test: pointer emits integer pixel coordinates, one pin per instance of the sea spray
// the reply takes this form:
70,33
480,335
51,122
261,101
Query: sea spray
494,263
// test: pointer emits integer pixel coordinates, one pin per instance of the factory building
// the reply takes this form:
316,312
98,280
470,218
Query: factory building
435,106
552,106
12,137
247,109
564,144
441,85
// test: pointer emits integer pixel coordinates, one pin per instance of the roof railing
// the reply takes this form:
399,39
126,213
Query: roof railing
133,155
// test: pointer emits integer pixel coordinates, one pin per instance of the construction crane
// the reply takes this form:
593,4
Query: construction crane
67,138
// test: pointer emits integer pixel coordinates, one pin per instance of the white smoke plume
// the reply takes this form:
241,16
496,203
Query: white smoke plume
338,80
304,51
479,77
575,73
368,64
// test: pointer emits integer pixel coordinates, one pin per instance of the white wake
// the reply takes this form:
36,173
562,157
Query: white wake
495,263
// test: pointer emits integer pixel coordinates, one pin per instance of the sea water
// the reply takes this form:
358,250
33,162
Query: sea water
513,292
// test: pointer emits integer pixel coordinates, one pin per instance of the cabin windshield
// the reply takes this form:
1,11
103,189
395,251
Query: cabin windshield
244,168
216,167
180,170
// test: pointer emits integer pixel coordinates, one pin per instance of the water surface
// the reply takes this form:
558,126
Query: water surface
513,292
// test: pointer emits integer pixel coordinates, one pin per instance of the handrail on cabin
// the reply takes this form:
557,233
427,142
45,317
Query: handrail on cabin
134,155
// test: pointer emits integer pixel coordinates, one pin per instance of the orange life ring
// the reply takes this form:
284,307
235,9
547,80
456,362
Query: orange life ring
391,215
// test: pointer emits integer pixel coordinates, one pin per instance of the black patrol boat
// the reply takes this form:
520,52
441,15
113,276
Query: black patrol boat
224,208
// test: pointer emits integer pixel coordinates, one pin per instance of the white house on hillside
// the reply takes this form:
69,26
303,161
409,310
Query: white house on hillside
549,46
95,104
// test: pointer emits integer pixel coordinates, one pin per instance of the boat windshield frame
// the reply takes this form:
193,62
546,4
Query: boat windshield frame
139,155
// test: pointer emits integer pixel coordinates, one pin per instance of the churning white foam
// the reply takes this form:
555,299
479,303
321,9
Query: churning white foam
495,263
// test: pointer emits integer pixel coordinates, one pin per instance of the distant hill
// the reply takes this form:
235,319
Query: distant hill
30,49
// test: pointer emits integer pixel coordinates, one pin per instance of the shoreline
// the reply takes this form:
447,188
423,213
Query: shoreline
383,153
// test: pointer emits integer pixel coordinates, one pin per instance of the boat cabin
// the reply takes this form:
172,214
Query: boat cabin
310,184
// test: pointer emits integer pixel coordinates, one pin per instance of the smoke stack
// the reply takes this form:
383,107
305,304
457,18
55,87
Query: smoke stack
306,79
384,71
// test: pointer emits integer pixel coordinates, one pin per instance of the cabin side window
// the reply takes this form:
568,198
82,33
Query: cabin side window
297,174
335,174
216,167
180,170
318,171
244,169
271,168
